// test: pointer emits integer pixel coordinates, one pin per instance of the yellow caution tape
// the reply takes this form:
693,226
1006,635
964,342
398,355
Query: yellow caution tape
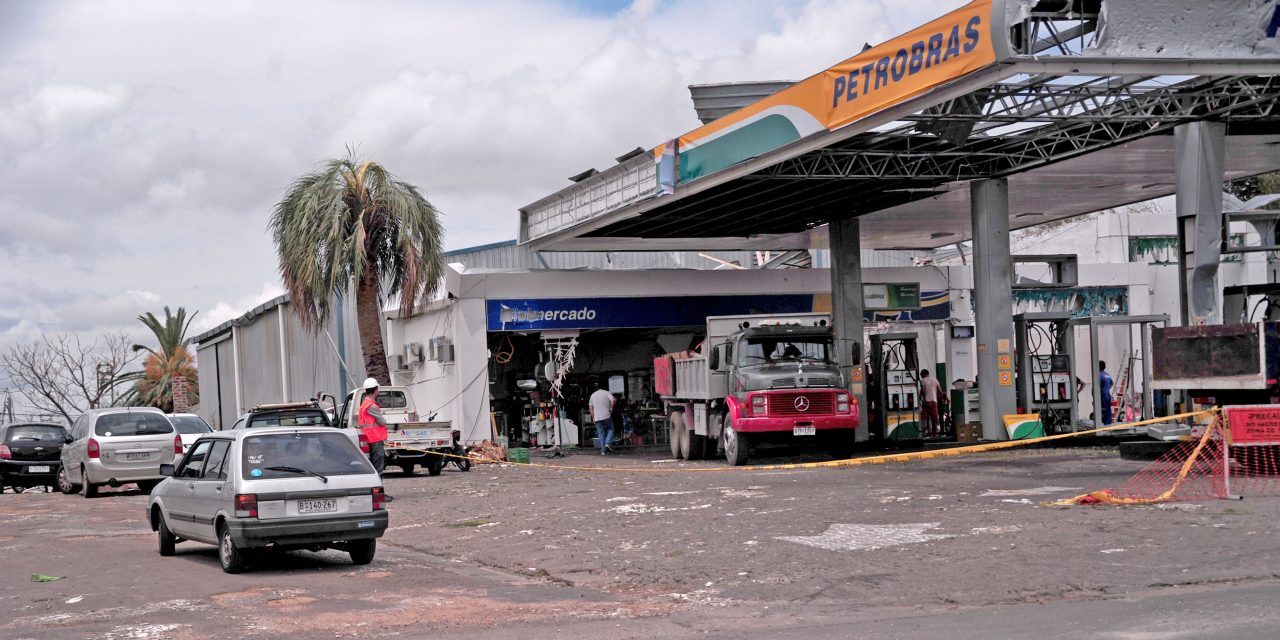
852,462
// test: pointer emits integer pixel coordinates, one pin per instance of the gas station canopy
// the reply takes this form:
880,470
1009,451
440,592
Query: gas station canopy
1073,101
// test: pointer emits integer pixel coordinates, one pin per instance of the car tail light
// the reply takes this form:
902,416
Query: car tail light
758,405
379,499
93,449
177,445
5,453
842,402
364,443
246,505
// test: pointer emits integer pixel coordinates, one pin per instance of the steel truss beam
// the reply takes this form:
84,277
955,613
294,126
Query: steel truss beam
1079,118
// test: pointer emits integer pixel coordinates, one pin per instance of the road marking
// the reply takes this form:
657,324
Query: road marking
1038,491
865,537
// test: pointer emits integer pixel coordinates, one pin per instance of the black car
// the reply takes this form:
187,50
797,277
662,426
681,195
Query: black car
29,455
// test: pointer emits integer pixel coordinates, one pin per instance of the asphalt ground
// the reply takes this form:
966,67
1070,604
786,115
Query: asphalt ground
962,547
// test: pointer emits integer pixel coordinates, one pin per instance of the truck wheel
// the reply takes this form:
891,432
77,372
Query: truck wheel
675,424
736,444
697,446
840,446
435,464
408,467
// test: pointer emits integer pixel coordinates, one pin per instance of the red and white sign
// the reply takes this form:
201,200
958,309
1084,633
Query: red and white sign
1254,424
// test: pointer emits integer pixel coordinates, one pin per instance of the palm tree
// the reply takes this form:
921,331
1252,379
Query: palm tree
352,221
153,386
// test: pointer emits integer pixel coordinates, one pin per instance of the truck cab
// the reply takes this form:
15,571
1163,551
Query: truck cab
410,442
758,379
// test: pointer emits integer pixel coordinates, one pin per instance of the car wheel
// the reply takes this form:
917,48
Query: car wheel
87,489
362,551
435,464
408,467
64,482
167,539
229,555
464,464
735,444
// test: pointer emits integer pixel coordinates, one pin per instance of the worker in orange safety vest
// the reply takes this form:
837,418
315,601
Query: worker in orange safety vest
373,425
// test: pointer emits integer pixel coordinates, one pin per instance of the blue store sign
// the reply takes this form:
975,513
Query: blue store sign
617,313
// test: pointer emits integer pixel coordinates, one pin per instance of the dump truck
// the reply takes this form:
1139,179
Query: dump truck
757,379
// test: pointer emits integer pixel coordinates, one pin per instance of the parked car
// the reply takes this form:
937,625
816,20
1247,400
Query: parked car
295,414
115,446
29,455
190,427
272,487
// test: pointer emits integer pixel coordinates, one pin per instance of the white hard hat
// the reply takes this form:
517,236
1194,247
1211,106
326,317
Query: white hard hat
370,383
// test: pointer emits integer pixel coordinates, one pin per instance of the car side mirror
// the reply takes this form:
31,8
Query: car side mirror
713,362
68,439
166,470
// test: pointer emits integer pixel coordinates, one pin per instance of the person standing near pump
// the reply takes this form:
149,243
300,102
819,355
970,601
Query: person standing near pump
373,425
1104,387
930,391
602,414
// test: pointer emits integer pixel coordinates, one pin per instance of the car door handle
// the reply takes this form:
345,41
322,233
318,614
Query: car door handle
191,485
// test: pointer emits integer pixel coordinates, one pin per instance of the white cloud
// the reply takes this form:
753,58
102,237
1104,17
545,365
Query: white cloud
146,141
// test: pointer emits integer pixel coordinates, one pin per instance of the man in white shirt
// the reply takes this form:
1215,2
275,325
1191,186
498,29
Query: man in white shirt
602,414
930,392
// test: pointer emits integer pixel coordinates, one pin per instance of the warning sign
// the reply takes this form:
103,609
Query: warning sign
1004,362
1006,378
1254,424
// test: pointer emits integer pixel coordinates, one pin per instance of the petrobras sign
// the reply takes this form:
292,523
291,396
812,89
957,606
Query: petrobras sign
892,72
618,313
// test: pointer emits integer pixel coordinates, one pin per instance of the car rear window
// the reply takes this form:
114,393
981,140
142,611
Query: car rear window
132,424
329,454
392,400
295,418
36,433
189,424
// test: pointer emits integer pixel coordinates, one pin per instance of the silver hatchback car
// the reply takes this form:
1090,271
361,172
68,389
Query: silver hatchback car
116,446
273,487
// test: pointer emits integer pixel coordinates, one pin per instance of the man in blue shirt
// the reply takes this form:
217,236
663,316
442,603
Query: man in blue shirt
1104,386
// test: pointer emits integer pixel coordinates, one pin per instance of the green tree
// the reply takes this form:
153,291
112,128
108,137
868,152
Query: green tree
352,221
153,386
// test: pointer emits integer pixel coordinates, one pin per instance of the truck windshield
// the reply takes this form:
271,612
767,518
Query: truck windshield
756,351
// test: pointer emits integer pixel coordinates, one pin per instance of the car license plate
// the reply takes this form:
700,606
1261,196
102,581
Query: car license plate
317,506
415,433
804,431
44,468
136,456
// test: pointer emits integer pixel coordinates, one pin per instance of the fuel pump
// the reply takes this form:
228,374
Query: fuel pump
895,372
1046,384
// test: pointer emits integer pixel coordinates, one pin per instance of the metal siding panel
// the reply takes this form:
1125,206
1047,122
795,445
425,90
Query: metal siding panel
259,362
226,384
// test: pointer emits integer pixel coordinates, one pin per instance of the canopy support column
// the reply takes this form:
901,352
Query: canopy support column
993,302
846,308
1199,160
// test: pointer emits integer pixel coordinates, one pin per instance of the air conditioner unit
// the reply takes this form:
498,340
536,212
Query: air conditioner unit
441,349
413,352
397,363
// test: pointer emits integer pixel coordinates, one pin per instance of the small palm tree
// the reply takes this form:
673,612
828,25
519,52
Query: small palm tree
352,221
153,386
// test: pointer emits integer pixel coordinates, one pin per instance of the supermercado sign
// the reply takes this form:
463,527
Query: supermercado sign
618,313
904,67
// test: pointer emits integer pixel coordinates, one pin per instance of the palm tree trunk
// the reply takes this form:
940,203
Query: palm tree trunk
368,312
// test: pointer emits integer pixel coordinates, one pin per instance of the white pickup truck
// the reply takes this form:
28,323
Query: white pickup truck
409,442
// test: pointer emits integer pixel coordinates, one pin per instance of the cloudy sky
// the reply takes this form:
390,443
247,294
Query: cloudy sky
144,141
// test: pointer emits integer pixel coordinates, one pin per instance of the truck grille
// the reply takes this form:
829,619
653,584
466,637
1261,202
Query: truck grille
801,403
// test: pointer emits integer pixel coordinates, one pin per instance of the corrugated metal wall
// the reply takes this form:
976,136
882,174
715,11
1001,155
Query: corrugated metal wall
260,360
515,257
